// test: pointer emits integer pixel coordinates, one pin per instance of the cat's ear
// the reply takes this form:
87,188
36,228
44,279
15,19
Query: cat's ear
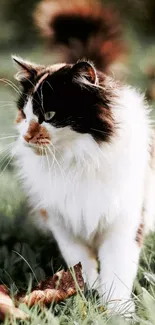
85,70
27,71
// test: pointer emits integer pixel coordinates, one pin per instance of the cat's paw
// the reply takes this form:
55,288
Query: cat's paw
125,308
91,280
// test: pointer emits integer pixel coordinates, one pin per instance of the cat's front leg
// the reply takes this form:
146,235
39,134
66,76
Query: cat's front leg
74,251
119,256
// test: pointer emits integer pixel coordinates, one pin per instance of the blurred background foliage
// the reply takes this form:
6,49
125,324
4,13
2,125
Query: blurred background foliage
23,247
19,35
17,28
16,25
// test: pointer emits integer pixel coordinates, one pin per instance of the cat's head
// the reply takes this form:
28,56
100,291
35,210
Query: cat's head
62,100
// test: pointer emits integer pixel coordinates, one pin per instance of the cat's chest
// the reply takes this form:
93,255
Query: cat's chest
78,194
83,194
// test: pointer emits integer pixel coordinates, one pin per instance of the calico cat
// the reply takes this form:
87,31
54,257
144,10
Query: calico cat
86,159
84,155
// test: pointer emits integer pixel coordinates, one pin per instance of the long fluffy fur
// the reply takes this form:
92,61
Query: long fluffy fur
95,195
85,29
97,192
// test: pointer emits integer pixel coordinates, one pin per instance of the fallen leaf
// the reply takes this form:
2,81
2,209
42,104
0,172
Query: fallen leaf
7,307
55,289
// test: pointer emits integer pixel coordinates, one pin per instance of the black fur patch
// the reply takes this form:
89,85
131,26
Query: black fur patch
81,106
23,96
27,87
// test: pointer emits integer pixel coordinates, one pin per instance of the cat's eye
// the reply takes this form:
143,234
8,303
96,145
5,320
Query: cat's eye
49,115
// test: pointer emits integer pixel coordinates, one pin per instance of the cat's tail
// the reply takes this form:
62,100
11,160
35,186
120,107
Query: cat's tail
81,29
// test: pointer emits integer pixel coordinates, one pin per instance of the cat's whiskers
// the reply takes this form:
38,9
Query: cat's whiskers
7,105
11,101
7,134
49,85
48,163
61,169
5,156
36,208
100,131
6,148
98,148
3,149
12,85
42,99
8,137
53,157
84,162
4,152
12,156
43,153
66,119
84,165
34,99
56,150
33,85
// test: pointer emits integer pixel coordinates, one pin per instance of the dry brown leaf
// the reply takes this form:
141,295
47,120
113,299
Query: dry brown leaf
55,289
7,307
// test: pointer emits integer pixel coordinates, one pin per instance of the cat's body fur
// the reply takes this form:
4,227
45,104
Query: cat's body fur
88,168
94,192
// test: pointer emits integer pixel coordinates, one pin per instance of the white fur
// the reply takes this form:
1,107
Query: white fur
94,193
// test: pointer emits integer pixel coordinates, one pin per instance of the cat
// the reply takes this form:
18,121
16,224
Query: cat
85,155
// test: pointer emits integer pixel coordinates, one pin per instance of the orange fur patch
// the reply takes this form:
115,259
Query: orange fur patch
40,81
140,235
37,134
44,214
20,117
152,161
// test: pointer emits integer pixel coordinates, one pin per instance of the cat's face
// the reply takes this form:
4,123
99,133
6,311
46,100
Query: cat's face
61,101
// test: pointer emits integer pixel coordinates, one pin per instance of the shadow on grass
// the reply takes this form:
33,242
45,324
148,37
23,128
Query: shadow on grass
26,254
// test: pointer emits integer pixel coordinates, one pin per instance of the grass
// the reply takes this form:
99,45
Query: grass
26,254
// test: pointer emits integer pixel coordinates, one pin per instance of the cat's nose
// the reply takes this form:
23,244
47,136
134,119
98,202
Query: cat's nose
32,131
37,134
28,137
